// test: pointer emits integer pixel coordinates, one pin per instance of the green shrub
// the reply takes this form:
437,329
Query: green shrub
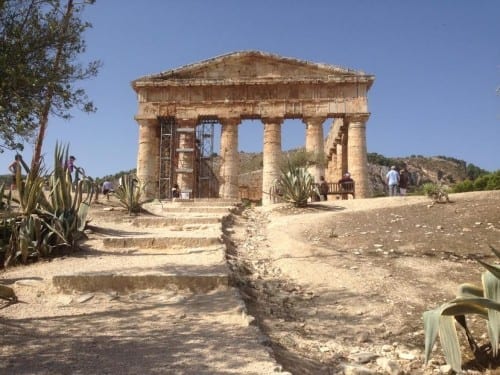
494,181
481,182
463,186
483,301
438,193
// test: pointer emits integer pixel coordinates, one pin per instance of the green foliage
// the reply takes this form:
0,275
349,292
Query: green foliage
490,181
483,301
463,186
39,43
301,158
295,184
438,193
474,172
129,193
374,158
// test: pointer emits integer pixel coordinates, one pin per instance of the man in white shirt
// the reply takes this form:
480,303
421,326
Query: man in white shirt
392,179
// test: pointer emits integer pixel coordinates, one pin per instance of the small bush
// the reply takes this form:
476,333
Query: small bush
463,186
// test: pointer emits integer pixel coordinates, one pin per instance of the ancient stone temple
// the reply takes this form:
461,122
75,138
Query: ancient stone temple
177,110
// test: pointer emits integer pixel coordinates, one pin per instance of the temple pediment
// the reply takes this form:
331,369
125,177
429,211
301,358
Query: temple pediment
252,67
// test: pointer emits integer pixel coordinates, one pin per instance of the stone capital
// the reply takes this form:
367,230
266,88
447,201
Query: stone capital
230,121
146,121
357,117
272,120
313,120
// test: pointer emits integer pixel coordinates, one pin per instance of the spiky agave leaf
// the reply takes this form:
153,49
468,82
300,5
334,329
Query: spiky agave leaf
470,290
435,323
491,285
296,185
449,342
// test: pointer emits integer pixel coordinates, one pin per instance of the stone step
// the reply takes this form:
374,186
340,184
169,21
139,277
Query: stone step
105,281
167,209
203,202
178,220
173,242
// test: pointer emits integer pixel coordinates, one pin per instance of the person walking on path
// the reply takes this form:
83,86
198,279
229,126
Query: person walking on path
392,179
404,181
107,188
13,168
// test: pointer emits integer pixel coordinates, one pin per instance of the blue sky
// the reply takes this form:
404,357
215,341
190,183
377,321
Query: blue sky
436,63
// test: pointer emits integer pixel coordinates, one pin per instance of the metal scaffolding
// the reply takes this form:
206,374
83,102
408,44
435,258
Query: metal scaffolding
197,161
167,157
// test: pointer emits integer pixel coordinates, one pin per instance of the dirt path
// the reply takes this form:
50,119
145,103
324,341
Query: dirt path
343,284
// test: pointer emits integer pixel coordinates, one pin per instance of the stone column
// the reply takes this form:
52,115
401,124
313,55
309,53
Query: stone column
345,153
332,167
271,156
148,156
230,160
340,158
185,130
314,145
357,154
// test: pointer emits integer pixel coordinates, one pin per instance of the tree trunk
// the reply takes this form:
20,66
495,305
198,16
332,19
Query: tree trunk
44,115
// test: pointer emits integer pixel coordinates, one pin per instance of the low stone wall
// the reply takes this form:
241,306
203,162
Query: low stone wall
250,185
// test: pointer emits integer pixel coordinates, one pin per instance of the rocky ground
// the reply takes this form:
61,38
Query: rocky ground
342,285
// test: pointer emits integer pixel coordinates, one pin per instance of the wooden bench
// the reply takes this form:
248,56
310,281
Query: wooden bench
340,189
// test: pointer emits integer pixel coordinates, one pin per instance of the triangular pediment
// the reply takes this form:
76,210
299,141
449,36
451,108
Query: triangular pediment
254,67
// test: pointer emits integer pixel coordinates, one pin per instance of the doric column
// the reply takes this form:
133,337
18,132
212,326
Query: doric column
230,161
185,131
340,158
357,154
148,156
314,145
271,156
332,167
344,166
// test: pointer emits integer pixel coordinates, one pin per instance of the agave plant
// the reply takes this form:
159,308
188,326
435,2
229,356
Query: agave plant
483,301
52,220
129,193
295,184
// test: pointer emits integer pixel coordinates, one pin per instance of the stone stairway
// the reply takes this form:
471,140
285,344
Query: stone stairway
157,281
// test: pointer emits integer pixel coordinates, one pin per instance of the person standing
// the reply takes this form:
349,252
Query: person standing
323,188
107,187
70,166
404,181
13,168
176,191
392,179
346,184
